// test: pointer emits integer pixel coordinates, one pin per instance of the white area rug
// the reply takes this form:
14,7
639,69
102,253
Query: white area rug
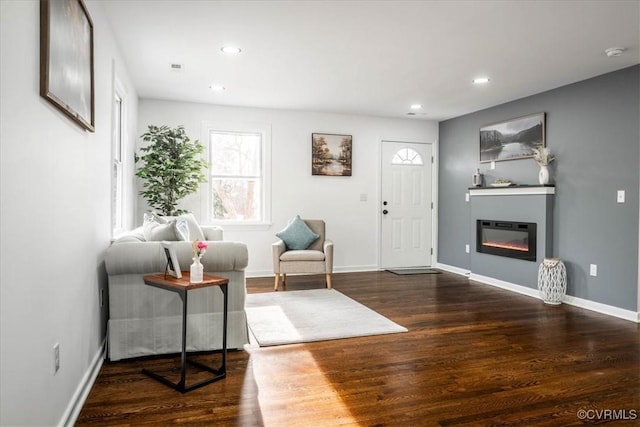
277,318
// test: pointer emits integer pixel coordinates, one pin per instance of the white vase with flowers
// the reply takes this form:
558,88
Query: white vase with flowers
197,269
543,158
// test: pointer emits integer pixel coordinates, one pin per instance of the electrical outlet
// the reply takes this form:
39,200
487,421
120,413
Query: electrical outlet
493,165
56,358
363,197
620,196
466,197
467,248
593,269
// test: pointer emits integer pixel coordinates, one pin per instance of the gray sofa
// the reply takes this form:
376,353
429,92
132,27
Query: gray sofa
147,321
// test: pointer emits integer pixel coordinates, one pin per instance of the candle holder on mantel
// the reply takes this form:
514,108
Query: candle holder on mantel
552,280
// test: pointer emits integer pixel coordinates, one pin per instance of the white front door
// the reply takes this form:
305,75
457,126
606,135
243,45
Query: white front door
406,205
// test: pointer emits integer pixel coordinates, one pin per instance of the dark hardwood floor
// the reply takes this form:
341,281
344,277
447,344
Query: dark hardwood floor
474,355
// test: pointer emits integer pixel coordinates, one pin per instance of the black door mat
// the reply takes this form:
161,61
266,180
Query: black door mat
403,271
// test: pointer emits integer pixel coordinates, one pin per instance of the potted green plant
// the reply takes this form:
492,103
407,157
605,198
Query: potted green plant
171,168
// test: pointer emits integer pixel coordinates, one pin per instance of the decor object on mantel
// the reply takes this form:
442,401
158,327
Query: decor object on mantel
543,157
502,182
552,280
478,178
172,168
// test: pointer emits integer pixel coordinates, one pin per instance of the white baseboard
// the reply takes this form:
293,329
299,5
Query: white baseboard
70,415
356,268
258,273
452,269
505,285
609,310
348,269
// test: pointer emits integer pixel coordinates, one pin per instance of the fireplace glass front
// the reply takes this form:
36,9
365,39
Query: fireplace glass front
507,238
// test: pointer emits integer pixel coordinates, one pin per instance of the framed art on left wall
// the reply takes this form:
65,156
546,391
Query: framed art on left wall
66,59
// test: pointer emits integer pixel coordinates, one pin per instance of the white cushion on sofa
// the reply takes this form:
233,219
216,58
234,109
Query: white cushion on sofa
195,232
155,231
182,228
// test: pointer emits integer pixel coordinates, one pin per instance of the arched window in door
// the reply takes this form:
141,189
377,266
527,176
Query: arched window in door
407,156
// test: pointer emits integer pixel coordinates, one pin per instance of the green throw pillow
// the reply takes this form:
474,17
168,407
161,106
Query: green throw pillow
297,235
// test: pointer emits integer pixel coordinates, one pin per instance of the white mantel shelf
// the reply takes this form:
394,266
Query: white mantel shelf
514,190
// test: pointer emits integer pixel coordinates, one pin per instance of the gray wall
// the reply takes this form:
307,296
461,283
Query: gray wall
592,128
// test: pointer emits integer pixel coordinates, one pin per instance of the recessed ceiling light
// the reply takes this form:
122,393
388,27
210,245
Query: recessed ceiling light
416,106
175,66
217,88
481,80
231,50
614,51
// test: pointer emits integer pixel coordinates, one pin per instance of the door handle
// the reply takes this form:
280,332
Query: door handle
385,212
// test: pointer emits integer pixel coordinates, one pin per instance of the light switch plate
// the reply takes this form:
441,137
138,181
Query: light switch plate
593,269
621,195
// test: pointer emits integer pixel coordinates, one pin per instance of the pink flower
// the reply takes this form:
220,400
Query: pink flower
199,248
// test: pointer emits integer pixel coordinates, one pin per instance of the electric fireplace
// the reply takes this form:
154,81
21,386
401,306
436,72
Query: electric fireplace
506,238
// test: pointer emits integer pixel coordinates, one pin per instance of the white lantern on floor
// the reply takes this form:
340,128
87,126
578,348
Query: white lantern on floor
552,280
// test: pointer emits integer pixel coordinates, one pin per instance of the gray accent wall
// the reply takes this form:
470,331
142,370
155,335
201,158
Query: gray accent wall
592,128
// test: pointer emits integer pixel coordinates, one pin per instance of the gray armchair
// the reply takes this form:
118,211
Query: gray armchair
316,259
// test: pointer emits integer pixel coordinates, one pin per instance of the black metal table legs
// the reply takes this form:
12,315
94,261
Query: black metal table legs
218,374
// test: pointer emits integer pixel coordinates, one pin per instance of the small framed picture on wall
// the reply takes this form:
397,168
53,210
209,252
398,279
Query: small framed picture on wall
331,154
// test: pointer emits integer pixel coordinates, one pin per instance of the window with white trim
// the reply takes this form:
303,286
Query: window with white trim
239,190
117,178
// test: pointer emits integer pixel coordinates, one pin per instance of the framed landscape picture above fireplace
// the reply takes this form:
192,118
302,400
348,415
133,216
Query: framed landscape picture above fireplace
512,139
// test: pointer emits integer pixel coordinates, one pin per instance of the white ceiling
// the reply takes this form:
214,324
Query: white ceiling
370,57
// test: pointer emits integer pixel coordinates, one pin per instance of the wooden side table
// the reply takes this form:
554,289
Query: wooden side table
181,287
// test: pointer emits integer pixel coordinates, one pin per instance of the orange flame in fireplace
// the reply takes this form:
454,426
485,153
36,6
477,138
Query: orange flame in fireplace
506,245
